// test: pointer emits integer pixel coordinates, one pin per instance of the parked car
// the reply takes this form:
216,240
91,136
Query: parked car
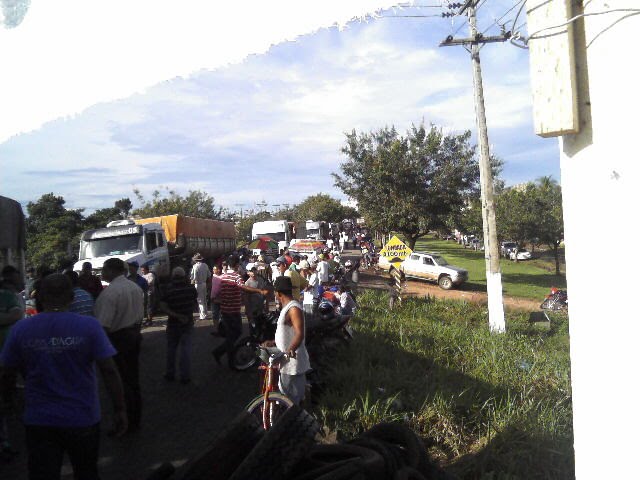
433,267
522,254
506,248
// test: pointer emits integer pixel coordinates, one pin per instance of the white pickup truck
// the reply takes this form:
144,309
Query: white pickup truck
433,267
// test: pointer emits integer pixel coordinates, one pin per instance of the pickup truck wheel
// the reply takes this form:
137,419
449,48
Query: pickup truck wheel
445,282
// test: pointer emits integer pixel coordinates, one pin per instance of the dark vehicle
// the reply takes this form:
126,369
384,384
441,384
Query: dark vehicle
262,328
556,300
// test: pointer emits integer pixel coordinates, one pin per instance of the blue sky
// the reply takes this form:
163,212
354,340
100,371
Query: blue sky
271,128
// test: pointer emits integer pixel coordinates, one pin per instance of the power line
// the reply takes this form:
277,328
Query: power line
497,21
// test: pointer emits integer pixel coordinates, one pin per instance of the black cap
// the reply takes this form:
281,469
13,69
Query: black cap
283,284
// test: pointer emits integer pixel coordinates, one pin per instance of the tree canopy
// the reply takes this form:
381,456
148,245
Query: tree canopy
195,204
409,183
322,207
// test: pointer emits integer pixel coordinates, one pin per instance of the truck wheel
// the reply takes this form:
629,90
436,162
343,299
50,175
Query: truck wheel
445,282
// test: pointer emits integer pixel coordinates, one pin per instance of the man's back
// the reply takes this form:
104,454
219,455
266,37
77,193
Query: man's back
230,292
120,305
56,352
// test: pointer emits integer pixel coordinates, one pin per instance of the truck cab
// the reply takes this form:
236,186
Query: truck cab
124,239
277,230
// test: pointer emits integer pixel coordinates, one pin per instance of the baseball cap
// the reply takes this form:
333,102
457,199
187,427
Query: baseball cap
283,284
133,264
281,260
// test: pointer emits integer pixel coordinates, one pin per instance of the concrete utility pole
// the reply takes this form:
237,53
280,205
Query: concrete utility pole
491,250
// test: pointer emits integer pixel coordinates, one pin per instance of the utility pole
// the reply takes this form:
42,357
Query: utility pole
491,250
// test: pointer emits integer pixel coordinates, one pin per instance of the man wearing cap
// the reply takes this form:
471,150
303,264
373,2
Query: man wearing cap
200,274
231,288
298,282
290,339
120,308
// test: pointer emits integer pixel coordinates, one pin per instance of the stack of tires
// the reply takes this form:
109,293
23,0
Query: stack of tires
289,451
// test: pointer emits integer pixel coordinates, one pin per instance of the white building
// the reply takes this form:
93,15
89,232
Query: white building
585,85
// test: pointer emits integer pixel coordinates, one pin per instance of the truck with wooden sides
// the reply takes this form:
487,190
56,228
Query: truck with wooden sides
12,234
161,243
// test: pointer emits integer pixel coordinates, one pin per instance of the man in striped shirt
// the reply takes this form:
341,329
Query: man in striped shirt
231,288
82,300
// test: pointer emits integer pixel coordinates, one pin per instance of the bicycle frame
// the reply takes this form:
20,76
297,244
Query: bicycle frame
268,386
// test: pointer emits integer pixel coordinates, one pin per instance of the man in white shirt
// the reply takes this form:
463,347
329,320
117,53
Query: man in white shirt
323,269
119,308
200,274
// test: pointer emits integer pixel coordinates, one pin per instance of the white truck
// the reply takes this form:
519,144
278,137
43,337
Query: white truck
432,267
317,230
276,230
158,242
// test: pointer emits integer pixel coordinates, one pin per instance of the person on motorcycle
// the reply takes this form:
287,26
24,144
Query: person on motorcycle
290,339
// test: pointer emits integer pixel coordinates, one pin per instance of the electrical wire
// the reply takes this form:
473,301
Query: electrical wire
634,11
497,21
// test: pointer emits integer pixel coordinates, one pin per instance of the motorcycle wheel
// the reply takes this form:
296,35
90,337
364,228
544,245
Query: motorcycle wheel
244,354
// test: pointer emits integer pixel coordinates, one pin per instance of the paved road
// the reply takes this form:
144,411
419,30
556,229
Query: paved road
178,420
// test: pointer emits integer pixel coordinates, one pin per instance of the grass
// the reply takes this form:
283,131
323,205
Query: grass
488,406
528,279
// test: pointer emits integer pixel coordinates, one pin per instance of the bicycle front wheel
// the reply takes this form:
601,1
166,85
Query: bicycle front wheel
276,406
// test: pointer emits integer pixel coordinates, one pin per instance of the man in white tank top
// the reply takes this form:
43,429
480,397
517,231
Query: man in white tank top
290,339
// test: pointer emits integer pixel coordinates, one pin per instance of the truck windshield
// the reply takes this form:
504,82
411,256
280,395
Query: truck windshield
277,236
105,247
439,260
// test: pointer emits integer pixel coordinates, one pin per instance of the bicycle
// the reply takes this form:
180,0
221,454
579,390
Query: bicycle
270,404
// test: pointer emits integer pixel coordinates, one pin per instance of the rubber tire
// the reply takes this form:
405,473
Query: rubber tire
281,448
255,407
226,452
393,459
445,282
163,472
369,462
408,473
242,347
414,451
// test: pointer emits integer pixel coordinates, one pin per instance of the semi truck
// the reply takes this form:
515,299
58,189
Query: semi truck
317,230
12,234
161,243
281,231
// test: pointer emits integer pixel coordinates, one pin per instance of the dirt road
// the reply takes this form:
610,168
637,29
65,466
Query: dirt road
468,292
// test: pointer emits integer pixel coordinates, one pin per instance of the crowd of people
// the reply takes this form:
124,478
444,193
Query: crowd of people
77,323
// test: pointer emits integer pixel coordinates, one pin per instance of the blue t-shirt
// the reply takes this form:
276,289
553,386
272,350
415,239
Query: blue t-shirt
56,353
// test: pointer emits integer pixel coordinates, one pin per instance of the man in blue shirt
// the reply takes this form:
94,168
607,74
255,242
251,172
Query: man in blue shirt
56,352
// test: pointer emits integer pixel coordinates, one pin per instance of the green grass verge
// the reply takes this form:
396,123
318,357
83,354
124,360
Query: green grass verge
487,405
528,279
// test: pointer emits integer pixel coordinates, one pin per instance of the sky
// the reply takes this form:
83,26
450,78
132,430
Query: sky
268,125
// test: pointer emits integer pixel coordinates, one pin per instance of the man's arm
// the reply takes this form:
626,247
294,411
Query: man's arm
114,386
244,288
294,316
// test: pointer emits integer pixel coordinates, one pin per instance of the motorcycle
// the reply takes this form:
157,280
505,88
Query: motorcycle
262,328
556,300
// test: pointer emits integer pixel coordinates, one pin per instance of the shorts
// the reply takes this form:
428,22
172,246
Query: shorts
293,386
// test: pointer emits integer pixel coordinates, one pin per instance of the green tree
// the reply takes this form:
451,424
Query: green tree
322,207
102,216
550,219
411,184
53,232
195,204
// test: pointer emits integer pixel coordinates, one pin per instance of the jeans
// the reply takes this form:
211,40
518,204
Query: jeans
179,335
127,342
215,313
233,326
46,447
293,386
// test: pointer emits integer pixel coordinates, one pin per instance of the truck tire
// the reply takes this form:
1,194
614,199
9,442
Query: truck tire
445,282
228,449
281,448
413,450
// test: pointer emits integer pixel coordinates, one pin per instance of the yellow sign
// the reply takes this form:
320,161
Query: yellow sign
395,251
